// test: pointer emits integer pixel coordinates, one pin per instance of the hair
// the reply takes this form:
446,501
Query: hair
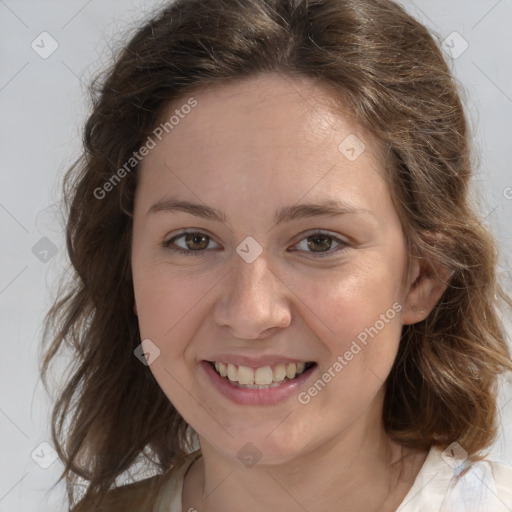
388,71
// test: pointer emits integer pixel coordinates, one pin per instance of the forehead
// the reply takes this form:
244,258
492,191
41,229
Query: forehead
268,132
297,110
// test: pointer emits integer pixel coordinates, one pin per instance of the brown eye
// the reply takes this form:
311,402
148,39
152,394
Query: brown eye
321,244
196,241
193,243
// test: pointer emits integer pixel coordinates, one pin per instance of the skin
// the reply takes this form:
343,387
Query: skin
250,148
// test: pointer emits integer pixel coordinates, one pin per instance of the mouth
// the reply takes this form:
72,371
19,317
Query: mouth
264,377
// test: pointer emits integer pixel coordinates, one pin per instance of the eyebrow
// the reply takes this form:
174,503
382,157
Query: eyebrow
286,214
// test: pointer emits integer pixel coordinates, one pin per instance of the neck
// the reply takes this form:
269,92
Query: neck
361,468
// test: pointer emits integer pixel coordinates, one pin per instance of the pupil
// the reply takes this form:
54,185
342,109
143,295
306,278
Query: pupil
196,238
324,242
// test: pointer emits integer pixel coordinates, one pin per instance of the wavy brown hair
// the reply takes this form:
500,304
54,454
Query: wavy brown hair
387,70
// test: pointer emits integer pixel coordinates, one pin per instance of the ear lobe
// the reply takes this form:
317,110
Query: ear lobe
428,283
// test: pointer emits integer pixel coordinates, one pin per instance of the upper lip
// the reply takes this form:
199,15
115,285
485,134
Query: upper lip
256,362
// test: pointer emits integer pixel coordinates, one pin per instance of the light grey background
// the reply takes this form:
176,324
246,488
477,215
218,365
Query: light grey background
43,104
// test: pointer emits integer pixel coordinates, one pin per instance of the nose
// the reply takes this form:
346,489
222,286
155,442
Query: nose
253,302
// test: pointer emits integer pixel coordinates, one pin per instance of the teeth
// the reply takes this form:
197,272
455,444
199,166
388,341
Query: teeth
291,370
264,376
245,375
223,369
232,373
279,373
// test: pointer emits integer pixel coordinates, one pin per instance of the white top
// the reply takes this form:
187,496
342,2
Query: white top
485,487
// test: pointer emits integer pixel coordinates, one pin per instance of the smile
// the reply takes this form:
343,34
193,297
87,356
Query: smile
264,385
260,378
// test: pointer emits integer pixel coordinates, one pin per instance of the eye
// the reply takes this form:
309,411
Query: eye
320,244
195,243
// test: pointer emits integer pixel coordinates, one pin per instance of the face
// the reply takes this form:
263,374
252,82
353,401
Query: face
265,239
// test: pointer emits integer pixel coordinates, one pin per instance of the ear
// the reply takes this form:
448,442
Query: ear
428,281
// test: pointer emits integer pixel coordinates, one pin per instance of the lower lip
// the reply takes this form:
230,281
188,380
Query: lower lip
245,396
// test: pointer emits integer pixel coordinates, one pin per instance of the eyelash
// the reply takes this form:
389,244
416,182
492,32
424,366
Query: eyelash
168,244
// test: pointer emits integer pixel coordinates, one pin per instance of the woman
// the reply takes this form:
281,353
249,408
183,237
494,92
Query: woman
284,298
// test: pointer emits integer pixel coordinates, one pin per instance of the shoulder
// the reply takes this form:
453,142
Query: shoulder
502,474
454,484
485,485
162,490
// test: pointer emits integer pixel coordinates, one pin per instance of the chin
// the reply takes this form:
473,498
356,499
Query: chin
262,446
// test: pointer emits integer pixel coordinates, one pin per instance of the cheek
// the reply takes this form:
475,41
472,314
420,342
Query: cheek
169,307
342,303
356,313
169,304
360,326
